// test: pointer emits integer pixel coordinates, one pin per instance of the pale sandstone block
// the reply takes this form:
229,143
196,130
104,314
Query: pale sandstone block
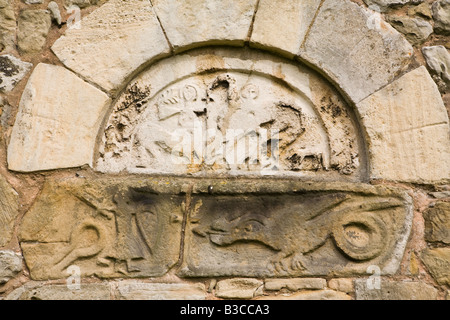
295,284
310,295
361,54
161,291
237,288
282,24
41,291
407,130
193,22
113,42
57,125
342,285
395,290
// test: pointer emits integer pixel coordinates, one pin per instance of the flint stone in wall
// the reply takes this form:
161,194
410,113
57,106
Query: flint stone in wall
12,70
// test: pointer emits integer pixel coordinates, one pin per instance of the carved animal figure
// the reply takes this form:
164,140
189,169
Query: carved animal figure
292,231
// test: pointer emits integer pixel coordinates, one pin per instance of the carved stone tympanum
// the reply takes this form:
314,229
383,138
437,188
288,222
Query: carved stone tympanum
231,112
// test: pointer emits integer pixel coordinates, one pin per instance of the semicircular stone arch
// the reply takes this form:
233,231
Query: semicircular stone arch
328,82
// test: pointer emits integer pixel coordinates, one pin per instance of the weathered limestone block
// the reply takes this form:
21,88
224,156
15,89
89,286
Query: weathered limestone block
10,265
160,291
422,10
9,208
416,30
395,290
41,291
441,16
237,288
383,5
195,22
126,33
293,229
407,127
361,54
33,28
12,70
56,126
438,60
343,285
282,25
437,223
107,227
295,284
7,26
310,295
438,262
231,112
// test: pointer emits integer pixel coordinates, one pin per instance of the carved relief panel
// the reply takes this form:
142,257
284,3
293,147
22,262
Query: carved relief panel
233,118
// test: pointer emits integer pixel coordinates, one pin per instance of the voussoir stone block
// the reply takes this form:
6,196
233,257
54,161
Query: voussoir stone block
194,22
283,25
56,127
113,42
407,130
355,48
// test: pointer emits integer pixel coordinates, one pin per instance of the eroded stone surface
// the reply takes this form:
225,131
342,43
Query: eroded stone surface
250,114
108,228
10,265
407,127
294,234
295,284
282,25
343,285
438,60
12,70
361,54
7,26
395,290
9,209
56,128
41,291
383,5
161,291
438,263
437,223
441,16
416,30
311,295
33,28
128,35
237,288
221,22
